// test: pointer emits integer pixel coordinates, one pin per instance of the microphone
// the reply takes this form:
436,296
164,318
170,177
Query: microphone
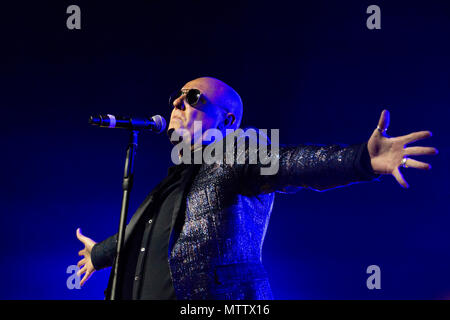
156,123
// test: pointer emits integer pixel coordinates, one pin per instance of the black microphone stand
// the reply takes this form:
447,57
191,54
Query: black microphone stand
127,184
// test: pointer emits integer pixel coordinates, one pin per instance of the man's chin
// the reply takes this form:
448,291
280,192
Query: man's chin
178,137
169,132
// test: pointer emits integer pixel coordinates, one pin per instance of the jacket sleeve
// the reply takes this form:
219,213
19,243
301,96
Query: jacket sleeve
309,166
103,253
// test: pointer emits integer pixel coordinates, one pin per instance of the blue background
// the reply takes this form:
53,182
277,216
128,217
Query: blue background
311,69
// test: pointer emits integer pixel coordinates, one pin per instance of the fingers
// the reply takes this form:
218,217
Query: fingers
88,272
82,262
81,271
411,163
399,177
85,278
87,275
383,123
419,151
415,136
80,236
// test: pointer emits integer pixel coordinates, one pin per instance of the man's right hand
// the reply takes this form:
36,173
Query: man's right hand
86,263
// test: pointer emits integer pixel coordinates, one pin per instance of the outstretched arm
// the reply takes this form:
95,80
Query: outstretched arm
314,167
325,167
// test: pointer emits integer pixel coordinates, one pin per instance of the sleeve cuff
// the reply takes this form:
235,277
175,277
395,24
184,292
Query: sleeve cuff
102,254
363,165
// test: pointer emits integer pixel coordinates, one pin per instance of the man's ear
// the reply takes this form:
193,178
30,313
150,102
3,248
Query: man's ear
230,119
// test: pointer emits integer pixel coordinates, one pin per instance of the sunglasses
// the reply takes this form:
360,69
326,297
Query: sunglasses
192,97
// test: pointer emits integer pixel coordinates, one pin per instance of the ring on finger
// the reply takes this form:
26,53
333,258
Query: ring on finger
403,164
381,130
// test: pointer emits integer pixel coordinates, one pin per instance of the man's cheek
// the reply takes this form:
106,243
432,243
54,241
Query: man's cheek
175,124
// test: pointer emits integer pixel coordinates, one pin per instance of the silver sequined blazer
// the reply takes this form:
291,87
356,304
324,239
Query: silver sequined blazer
225,213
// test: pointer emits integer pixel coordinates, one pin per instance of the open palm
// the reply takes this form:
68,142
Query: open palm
387,153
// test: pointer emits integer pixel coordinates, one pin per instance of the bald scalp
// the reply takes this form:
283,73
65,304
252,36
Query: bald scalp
220,94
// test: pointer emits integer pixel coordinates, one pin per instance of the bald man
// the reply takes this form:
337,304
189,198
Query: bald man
199,233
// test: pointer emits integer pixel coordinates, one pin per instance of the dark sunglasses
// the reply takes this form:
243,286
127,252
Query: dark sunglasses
192,97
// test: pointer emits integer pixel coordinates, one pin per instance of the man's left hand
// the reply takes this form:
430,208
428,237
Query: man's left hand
387,154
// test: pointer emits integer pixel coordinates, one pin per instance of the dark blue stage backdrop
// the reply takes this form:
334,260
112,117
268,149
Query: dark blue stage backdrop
311,69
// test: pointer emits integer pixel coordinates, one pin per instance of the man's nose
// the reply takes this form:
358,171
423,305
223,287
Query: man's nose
179,103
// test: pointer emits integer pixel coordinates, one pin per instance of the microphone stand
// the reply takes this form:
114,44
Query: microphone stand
127,184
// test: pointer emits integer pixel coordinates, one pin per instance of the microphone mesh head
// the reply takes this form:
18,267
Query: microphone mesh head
160,123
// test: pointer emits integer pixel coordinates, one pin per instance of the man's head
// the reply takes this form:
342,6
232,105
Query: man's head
218,107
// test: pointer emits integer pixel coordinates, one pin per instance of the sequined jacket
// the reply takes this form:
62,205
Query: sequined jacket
225,212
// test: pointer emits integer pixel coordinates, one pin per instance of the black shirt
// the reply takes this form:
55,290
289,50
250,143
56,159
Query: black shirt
146,268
